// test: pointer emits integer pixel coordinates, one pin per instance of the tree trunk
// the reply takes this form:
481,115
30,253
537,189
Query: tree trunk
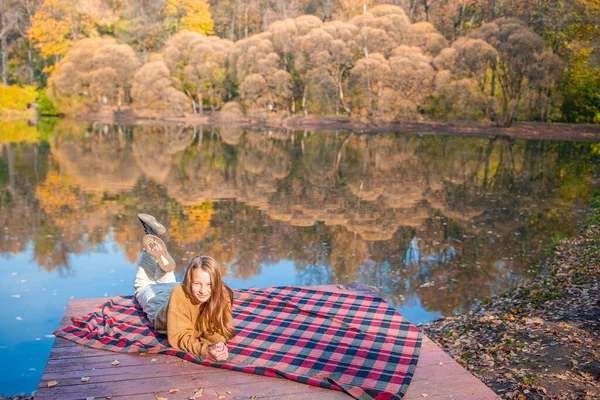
284,8
200,103
411,10
426,8
4,59
493,84
233,17
366,53
265,19
246,19
293,103
30,62
341,93
304,101
459,24
379,92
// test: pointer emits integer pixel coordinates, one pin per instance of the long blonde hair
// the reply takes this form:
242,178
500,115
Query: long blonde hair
220,300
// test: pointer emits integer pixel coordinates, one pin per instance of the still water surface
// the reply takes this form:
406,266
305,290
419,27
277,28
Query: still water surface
433,224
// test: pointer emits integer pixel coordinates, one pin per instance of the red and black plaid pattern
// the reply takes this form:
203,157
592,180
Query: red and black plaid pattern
347,342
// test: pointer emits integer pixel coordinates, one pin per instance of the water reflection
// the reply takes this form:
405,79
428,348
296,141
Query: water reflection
432,223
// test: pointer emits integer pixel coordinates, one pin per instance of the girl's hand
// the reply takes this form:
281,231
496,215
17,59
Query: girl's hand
218,352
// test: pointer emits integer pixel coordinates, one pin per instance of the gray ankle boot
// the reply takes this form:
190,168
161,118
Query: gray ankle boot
151,225
154,246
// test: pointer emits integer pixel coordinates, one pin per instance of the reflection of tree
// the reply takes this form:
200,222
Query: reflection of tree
99,162
474,214
154,147
191,224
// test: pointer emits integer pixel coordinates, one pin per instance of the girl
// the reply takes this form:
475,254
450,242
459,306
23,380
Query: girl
196,314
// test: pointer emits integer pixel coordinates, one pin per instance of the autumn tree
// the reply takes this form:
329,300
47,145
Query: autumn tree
256,61
285,41
413,78
177,55
56,25
464,78
425,36
381,28
209,70
380,79
188,15
10,15
522,64
328,53
94,72
198,65
153,92
141,25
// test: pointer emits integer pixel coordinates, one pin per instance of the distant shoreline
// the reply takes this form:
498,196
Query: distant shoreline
520,130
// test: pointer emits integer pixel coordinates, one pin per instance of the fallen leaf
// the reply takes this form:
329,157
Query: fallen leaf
52,384
221,397
115,363
197,394
253,398
559,376
340,287
424,395
154,360
173,391
161,398
85,378
228,392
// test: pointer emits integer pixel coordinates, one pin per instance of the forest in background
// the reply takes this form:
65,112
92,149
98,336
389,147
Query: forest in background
370,60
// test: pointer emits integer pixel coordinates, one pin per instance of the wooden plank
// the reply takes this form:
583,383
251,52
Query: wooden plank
138,377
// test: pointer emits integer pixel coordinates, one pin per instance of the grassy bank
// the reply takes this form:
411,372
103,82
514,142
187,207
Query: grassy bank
540,340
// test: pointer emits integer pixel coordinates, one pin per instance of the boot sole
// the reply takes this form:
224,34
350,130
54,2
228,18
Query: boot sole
150,220
157,248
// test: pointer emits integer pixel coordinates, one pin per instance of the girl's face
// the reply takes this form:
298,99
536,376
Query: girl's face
201,285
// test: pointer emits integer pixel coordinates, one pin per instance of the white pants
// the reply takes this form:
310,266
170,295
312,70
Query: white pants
152,294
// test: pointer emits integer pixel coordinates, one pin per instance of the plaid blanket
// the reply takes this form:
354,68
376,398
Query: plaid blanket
347,342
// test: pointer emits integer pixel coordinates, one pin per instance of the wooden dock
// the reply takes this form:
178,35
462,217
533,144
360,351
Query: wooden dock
153,376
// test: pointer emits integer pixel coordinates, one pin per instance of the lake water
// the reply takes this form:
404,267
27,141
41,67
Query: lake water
433,224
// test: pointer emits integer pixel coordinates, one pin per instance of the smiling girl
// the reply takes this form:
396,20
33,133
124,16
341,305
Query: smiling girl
196,314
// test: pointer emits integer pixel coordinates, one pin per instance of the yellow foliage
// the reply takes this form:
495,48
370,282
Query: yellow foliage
16,98
17,132
194,228
58,198
191,15
55,25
